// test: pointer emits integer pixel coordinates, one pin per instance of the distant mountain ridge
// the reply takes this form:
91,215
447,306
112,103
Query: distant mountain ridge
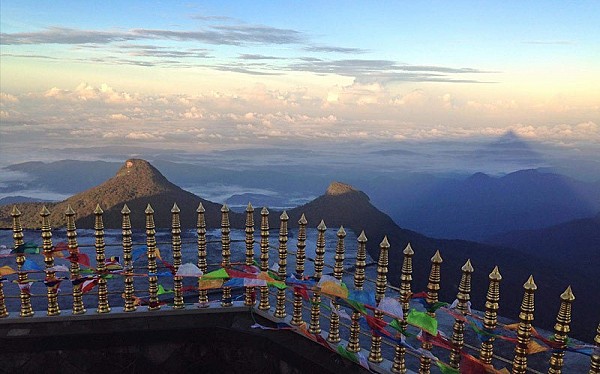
481,206
137,183
575,243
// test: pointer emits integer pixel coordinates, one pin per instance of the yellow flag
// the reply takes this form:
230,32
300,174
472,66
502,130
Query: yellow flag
6,270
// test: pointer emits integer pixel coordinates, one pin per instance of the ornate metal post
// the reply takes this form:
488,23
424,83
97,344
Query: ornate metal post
176,246
300,258
249,298
458,329
283,238
3,310
225,253
380,286
338,272
561,330
26,310
359,281
595,362
399,365
433,289
78,307
315,309
490,318
524,331
153,303
202,264
103,306
127,259
52,293
263,303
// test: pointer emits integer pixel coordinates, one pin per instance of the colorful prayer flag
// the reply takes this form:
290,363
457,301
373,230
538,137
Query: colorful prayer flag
6,270
423,321
188,270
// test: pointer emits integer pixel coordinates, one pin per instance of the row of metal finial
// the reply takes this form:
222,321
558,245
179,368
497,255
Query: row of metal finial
399,364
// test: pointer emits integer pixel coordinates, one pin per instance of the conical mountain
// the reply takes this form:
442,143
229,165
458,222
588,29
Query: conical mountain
344,205
136,184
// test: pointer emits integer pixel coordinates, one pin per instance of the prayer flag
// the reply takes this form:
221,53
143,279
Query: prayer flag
29,265
6,270
337,289
446,369
162,290
392,307
217,274
423,321
188,270
363,297
27,248
58,268
88,284
207,284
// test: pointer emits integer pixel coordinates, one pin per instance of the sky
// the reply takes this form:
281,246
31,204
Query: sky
214,75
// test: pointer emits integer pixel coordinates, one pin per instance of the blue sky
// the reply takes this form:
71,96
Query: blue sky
145,71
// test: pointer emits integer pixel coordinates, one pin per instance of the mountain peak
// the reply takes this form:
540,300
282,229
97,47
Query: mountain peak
339,188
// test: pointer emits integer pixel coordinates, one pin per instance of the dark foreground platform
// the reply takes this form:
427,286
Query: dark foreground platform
213,340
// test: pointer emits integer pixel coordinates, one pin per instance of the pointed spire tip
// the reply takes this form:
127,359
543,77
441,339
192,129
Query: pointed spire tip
408,250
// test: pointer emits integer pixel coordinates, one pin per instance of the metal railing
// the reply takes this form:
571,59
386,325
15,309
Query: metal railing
379,329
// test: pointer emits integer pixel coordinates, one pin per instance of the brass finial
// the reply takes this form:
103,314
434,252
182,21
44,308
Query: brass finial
73,247
125,209
338,272
127,259
302,220
103,305
300,258
315,310
22,278
561,330
249,292
202,255
399,365
595,361
226,300
3,310
495,274
458,329
530,284
283,238
320,250
263,303
490,319
380,286
359,280
176,249
153,303
52,291
524,330
433,289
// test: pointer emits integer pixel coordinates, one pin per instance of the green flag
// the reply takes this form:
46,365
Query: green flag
162,291
423,320
27,248
445,369
217,274
347,354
